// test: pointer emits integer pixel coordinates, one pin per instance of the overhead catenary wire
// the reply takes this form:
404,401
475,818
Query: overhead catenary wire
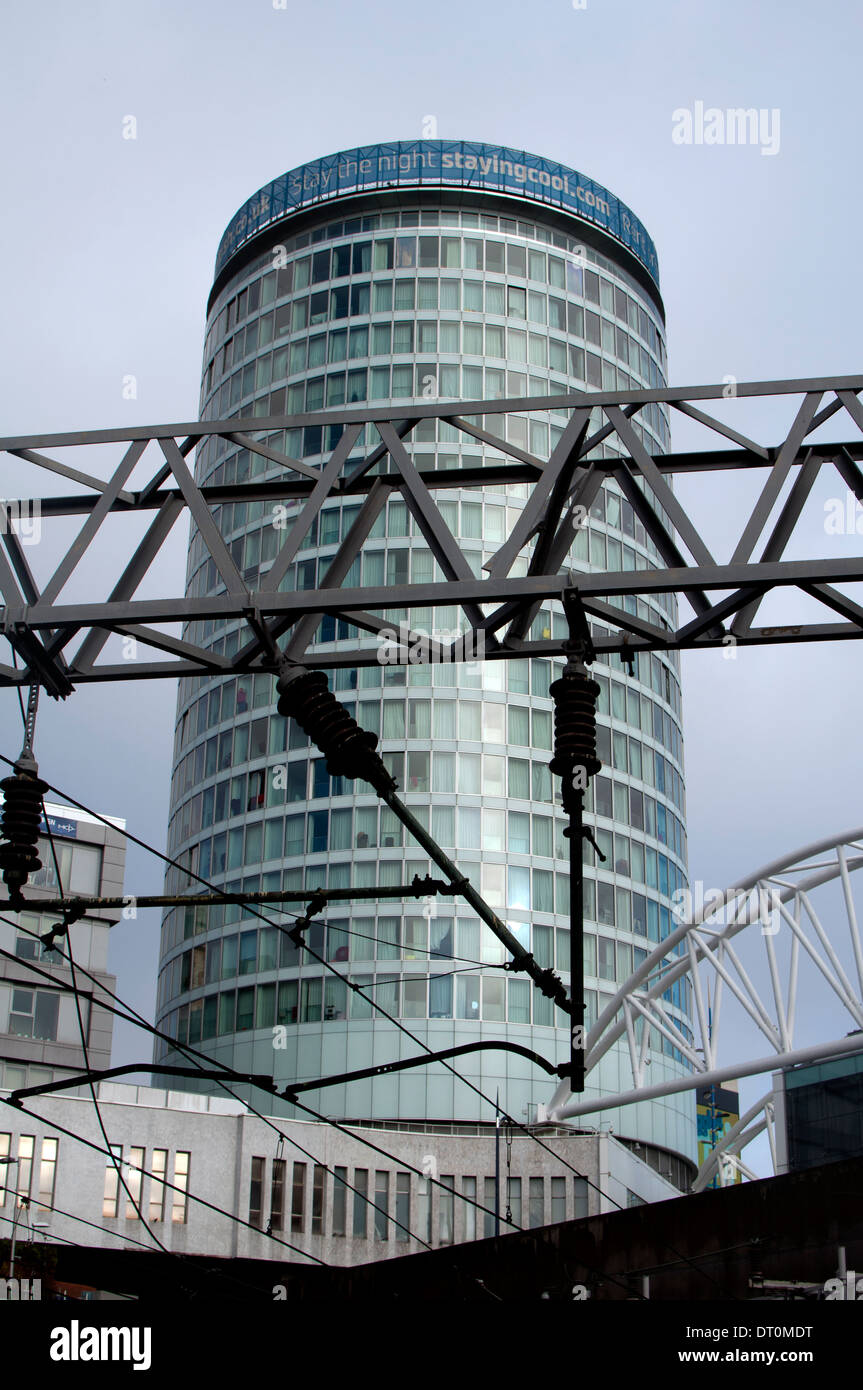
219,1275
86,1050
196,1057
253,911
163,1181
76,995
256,912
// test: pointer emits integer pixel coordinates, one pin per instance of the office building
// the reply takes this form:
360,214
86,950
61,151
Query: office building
819,1112
209,1178
388,275
40,1034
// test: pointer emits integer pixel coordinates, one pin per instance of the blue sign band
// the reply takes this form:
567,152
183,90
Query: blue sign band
443,164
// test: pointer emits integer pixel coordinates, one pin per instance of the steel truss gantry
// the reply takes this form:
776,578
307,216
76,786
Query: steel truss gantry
532,566
722,596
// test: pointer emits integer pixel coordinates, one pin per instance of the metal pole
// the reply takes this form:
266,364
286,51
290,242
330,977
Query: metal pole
14,1234
419,888
497,1165
576,914
12,1163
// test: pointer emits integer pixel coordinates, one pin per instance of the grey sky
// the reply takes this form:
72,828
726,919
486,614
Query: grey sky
109,244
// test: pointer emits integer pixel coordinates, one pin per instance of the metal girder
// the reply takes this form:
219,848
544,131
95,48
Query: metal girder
502,603
701,947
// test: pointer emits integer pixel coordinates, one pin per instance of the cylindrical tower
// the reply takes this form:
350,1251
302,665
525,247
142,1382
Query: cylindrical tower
390,274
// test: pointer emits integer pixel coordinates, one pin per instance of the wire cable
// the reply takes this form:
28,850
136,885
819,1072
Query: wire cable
145,1173
196,1057
255,911
85,1048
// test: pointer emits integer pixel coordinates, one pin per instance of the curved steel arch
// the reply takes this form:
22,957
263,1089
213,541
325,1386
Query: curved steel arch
779,892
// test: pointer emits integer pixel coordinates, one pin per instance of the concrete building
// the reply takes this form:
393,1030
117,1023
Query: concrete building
40,1037
384,275
319,1189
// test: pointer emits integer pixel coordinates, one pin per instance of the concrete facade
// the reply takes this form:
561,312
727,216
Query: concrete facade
230,1151
40,1039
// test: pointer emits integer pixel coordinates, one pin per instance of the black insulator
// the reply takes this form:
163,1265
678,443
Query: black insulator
349,750
575,696
19,827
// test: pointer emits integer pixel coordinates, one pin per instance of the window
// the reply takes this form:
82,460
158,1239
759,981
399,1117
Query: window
536,1202
513,1198
382,1205
319,1197
26,1145
558,1200
446,1209
519,1001
34,1014
5,1140
47,1174
80,866
493,998
467,997
414,998
298,1197
256,1191
179,1205
112,1182
580,1185
133,1184
159,1168
489,1201
277,1195
424,1210
403,1206
360,1222
440,996
418,772
468,1187
340,1201
29,947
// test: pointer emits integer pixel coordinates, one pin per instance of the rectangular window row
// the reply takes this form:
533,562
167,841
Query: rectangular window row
30,1174
399,1206
128,1196
471,997
258,739
429,378
327,999
431,253
230,309
416,938
405,336
303,780
79,866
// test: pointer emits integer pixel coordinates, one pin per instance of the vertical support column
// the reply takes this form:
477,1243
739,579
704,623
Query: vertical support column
578,1032
575,762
